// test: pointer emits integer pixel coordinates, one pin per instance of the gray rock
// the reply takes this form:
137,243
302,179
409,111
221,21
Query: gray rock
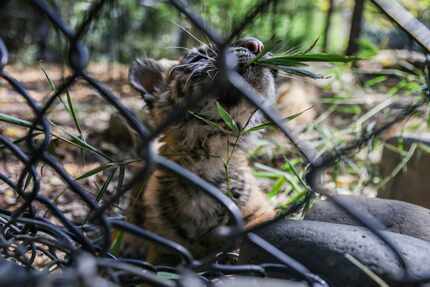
322,246
241,281
412,183
396,216
14,275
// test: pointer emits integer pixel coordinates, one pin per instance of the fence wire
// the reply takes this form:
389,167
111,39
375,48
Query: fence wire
23,234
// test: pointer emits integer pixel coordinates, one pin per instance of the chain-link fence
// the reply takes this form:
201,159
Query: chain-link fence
79,250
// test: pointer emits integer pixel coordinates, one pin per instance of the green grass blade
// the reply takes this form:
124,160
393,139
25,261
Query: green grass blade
53,87
69,106
96,170
118,236
50,82
74,140
72,112
312,46
105,186
83,144
14,120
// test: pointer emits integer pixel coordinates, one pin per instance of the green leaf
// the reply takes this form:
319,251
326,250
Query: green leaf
83,144
375,81
259,127
96,170
353,109
69,106
268,124
367,49
266,174
72,112
226,117
290,166
105,186
14,120
300,72
53,87
282,62
269,172
311,47
296,198
208,122
74,140
287,60
117,242
50,82
277,186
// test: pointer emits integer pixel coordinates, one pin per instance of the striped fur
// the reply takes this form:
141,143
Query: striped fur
170,206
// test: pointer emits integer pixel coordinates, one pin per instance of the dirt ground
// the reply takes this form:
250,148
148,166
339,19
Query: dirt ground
93,115
324,124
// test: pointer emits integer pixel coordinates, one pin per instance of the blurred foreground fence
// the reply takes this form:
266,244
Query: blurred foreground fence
82,251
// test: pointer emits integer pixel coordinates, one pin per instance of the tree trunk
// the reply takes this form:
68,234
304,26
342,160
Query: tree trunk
327,25
357,19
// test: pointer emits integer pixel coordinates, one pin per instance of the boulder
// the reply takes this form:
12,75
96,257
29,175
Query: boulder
242,281
321,247
412,183
396,216
14,275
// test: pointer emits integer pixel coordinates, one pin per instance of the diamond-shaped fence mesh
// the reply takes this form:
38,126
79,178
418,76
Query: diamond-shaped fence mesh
80,249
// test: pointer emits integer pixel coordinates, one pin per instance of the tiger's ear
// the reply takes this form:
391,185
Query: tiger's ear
147,76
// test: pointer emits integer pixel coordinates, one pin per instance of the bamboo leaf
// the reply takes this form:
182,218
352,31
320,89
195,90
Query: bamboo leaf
50,82
311,47
287,60
96,170
72,112
74,140
300,72
69,106
258,127
83,144
266,174
14,120
118,237
277,186
105,186
291,167
268,124
226,117
208,122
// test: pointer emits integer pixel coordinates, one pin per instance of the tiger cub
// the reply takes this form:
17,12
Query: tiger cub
169,205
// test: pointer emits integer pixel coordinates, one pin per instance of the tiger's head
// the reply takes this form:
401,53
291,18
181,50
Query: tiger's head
195,79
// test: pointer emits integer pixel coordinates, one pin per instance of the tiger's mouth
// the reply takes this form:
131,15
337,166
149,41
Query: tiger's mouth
203,67
230,96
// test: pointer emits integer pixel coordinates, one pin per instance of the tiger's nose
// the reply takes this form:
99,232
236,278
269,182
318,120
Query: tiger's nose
254,45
